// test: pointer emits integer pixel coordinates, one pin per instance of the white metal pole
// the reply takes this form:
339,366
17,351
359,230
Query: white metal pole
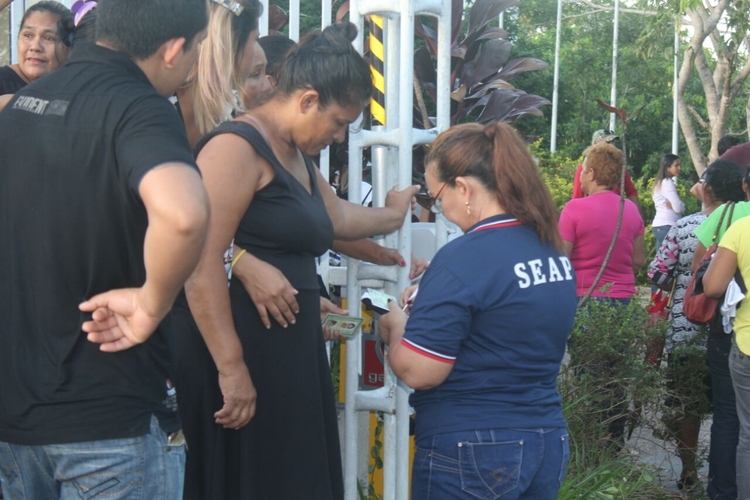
325,155
326,13
675,93
294,13
406,110
263,20
17,9
613,96
352,461
555,101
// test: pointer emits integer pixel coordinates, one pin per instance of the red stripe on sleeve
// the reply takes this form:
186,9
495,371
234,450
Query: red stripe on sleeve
427,354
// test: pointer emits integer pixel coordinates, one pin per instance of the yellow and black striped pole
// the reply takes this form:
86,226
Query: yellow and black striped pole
377,66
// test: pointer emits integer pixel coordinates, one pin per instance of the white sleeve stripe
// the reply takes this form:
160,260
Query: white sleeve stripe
452,358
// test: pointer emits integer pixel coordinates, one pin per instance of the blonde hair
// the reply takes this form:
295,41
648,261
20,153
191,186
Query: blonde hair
606,162
215,77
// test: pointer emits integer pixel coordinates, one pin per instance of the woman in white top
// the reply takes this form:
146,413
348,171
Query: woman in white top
668,204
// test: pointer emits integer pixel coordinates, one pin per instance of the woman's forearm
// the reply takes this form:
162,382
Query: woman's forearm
208,297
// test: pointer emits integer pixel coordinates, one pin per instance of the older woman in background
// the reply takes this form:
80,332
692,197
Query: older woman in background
487,332
42,48
587,226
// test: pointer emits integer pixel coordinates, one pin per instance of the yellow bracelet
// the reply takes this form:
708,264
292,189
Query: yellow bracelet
237,257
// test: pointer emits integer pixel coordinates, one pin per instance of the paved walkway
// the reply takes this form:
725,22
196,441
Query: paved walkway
660,456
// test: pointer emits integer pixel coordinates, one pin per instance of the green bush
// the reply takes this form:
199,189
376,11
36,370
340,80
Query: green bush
557,170
607,375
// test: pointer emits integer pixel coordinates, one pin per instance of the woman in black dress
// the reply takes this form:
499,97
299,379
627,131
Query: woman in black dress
266,193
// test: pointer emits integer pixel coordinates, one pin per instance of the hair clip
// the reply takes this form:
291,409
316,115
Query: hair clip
234,7
81,8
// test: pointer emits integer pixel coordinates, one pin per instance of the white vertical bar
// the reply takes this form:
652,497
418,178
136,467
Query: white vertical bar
444,68
17,9
294,13
325,155
443,98
405,121
353,346
325,14
613,96
555,89
263,20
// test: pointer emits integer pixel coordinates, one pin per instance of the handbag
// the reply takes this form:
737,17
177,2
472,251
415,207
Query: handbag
658,309
696,306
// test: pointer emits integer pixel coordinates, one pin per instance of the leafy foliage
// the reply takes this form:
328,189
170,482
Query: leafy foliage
481,68
607,366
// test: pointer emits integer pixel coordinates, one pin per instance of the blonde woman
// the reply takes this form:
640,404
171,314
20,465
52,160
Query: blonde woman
226,56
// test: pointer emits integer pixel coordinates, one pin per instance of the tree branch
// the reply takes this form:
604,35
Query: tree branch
426,124
688,131
707,80
603,8
739,80
701,122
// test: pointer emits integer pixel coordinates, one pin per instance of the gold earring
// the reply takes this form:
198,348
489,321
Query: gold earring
468,209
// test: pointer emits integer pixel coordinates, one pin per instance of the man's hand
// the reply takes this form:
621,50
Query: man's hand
326,306
270,290
119,319
239,397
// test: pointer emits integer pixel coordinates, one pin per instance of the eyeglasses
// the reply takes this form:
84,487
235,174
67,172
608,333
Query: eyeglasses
436,206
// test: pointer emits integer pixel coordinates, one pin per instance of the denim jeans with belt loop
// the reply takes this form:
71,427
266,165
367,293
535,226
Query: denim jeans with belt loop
147,467
507,464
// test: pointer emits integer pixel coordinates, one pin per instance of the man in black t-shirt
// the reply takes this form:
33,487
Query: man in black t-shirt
103,217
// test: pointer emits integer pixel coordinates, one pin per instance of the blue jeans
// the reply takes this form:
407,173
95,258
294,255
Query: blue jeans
660,232
739,366
725,429
144,468
506,464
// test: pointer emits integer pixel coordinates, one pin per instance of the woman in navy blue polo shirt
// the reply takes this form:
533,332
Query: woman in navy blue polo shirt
487,332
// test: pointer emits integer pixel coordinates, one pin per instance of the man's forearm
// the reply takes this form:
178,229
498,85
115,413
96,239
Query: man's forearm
171,252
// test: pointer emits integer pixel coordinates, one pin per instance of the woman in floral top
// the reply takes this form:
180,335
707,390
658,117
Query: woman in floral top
689,378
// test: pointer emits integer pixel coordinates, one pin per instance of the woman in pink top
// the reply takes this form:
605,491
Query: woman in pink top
588,224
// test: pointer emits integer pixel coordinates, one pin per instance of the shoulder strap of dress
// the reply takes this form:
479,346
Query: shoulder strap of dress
247,132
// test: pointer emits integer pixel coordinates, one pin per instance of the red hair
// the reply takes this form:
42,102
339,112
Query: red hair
497,156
